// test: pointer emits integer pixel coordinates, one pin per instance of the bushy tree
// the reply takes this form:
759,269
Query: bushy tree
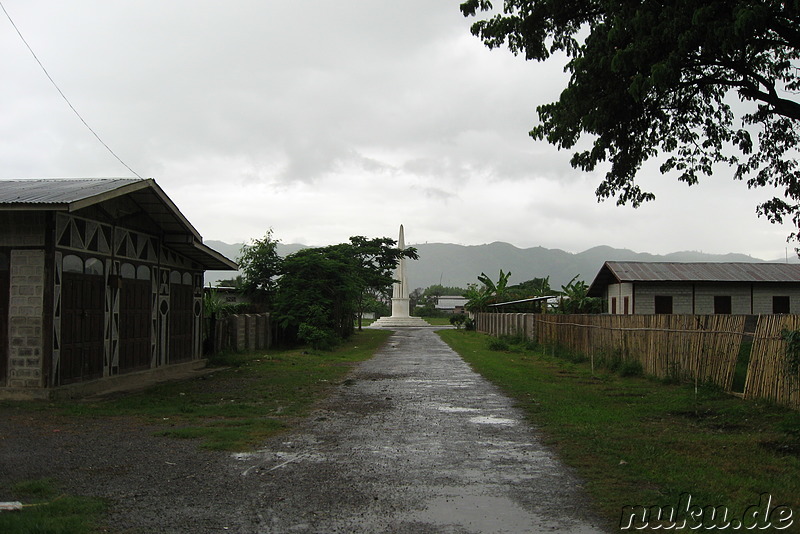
261,266
375,262
661,79
321,290
317,295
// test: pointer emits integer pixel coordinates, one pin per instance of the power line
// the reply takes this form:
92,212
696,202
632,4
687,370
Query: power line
62,93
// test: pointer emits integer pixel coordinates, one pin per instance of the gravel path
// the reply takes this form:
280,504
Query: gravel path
413,442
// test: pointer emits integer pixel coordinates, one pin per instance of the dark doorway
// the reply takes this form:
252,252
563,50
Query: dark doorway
181,322
82,340
780,305
135,318
663,304
4,296
722,305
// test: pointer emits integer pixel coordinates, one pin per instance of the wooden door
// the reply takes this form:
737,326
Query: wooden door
181,323
82,340
134,325
4,296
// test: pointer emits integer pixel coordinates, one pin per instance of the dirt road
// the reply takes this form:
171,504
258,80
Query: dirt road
413,442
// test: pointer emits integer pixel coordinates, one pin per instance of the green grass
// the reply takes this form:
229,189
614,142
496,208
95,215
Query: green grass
47,512
252,397
637,441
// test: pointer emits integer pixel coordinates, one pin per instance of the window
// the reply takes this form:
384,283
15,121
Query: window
663,304
72,264
625,304
722,305
780,305
614,305
126,270
94,266
143,273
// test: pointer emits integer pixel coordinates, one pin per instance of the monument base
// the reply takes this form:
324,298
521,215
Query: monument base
399,322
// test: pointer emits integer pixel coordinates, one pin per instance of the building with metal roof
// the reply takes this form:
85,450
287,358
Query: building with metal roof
698,288
98,278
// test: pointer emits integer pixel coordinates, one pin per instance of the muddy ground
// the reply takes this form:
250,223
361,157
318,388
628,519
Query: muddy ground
412,442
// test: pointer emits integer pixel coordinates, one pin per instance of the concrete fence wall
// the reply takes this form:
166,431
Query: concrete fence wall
249,331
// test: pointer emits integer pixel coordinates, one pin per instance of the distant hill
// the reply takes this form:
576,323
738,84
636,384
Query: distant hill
459,265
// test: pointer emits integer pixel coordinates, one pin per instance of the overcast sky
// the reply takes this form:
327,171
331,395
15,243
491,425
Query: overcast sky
325,120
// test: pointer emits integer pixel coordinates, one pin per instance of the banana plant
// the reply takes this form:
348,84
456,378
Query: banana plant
479,298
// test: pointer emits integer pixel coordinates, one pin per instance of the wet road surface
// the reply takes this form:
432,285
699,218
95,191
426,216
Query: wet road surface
413,442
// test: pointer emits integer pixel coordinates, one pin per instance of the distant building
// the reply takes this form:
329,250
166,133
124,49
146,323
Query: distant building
228,295
698,288
98,278
451,304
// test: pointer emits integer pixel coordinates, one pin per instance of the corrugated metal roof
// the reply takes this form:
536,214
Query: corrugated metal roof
58,190
629,271
142,196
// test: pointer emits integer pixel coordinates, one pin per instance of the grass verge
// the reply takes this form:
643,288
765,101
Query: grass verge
251,397
46,511
640,442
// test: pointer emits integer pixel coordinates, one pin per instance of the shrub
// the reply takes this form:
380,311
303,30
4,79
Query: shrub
317,338
457,320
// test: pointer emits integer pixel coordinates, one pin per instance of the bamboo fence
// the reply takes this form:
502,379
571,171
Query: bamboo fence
767,375
702,348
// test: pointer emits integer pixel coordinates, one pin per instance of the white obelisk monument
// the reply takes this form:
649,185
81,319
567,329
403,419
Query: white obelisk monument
400,310
400,287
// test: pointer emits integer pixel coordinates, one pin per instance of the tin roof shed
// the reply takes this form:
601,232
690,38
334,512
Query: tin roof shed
619,272
132,197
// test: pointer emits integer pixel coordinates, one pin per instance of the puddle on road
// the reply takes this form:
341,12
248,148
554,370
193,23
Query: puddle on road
492,420
484,513
456,409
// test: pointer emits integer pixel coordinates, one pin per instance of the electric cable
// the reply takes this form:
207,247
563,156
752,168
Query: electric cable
62,93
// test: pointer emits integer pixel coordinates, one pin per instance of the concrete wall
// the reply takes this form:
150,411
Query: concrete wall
763,293
682,302
619,292
26,315
740,298
746,298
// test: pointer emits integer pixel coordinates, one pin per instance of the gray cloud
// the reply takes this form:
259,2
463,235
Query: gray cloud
323,120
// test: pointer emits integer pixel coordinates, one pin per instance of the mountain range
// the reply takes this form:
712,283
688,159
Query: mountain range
459,265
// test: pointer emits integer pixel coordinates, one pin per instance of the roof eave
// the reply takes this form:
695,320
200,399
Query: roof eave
109,195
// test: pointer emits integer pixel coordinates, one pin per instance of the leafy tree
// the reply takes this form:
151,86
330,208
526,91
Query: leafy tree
536,287
438,290
317,296
236,283
415,297
322,289
576,300
657,79
376,260
261,266
377,302
479,298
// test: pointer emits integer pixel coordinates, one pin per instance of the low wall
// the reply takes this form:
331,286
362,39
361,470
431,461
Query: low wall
249,331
